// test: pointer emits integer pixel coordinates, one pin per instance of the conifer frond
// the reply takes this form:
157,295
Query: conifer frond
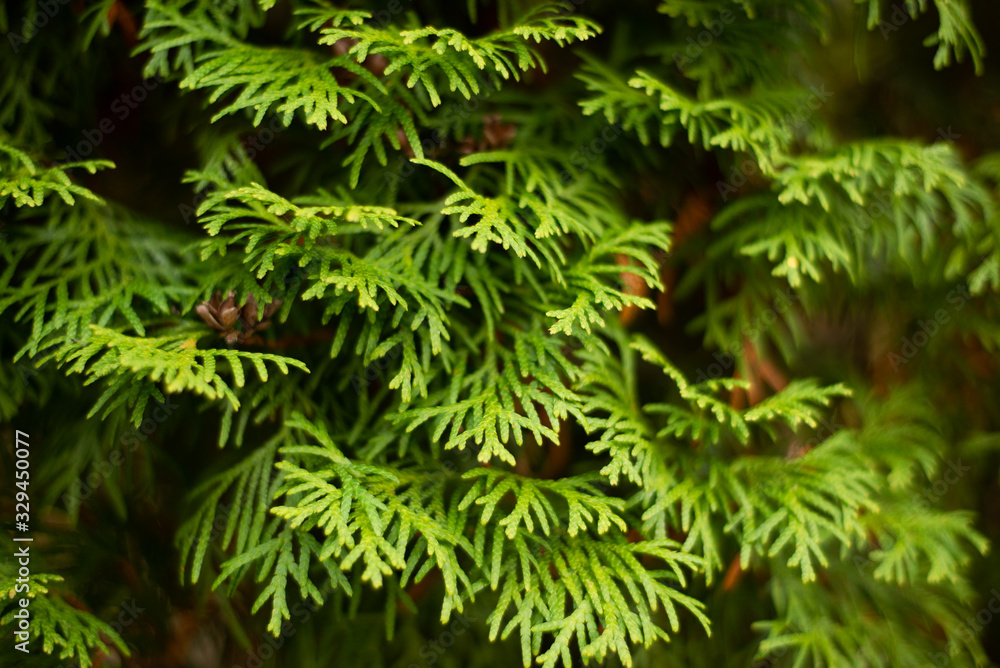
385,518
735,62
386,279
702,13
585,507
853,619
433,58
799,403
838,208
588,280
88,265
594,594
389,286
187,29
580,208
172,360
429,54
259,542
330,17
618,101
586,289
918,544
682,495
374,517
512,389
861,169
805,502
804,245
292,80
796,404
369,128
778,508
763,124
615,418
269,226
26,89
95,17
276,561
242,520
956,34
497,220
791,499
28,183
904,417
75,634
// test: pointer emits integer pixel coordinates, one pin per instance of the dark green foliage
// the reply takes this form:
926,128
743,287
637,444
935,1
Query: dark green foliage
480,258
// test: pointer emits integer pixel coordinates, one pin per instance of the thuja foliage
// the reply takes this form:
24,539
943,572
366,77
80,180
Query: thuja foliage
500,333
